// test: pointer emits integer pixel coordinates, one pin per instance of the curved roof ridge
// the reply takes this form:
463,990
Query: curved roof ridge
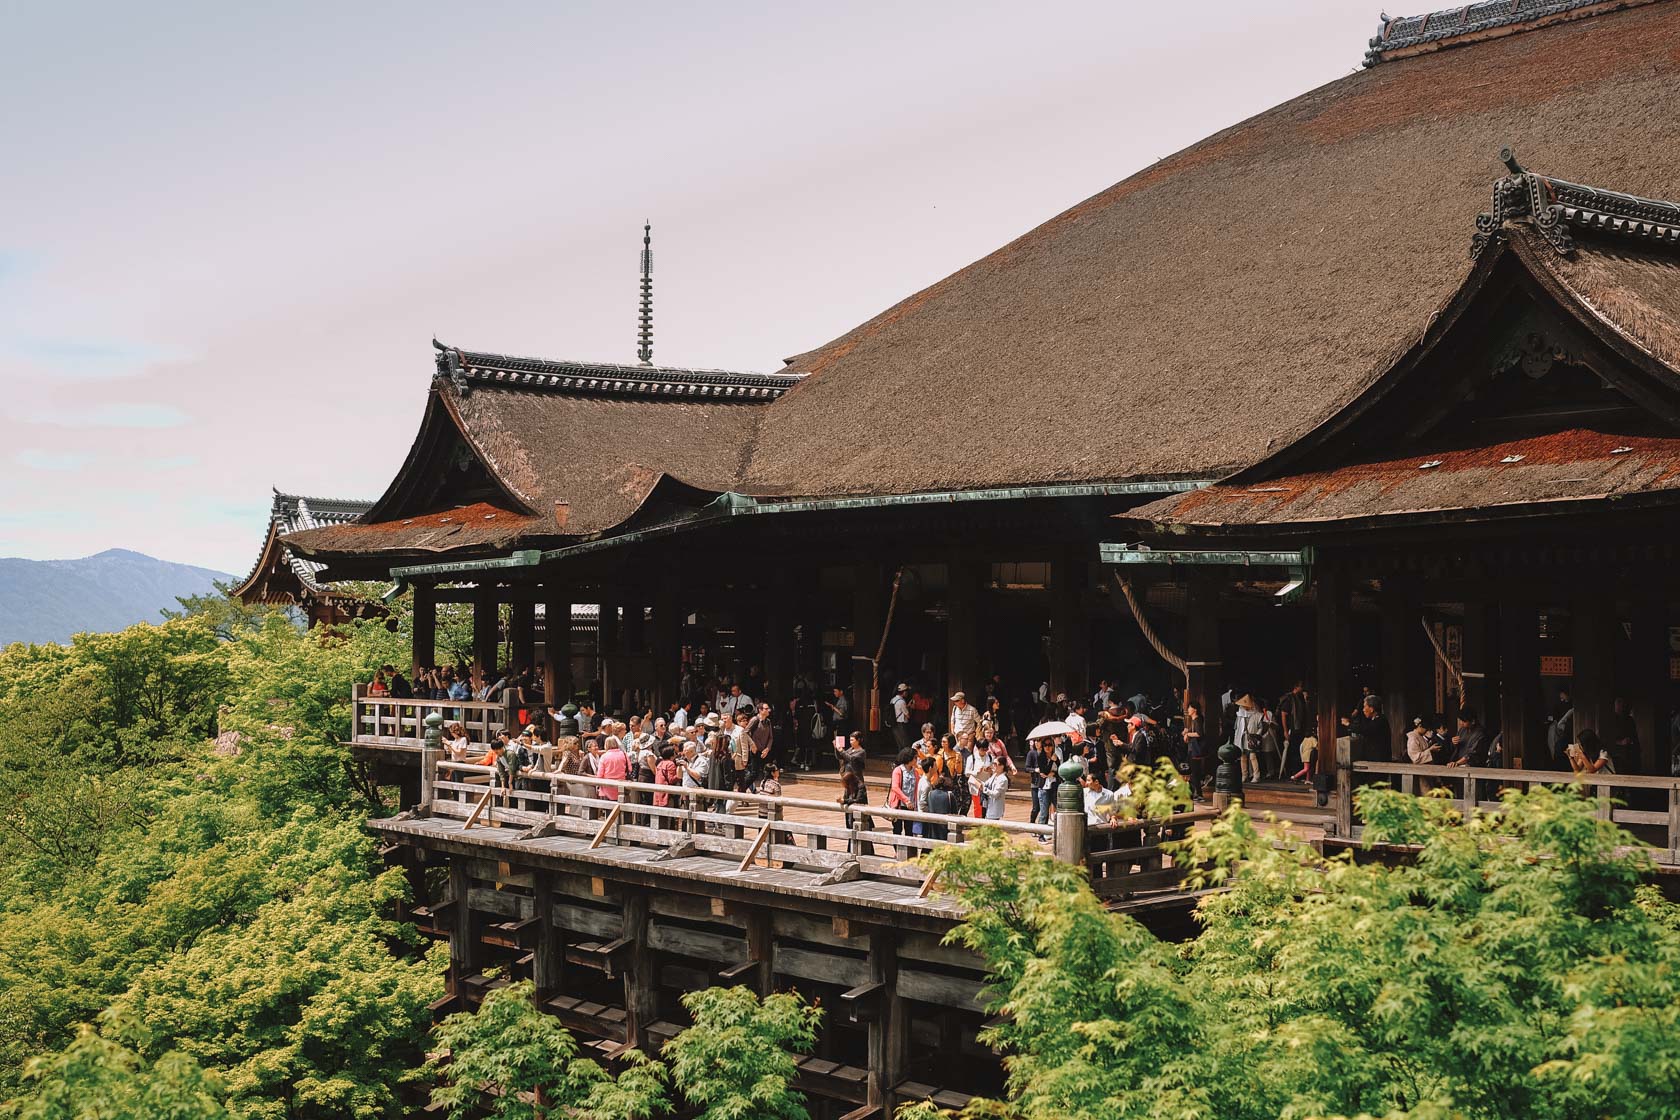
1403,36
470,367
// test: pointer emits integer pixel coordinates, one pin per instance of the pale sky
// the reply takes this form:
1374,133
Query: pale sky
228,232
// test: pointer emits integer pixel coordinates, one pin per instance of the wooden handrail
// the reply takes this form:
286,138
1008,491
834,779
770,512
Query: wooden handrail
1495,773
553,776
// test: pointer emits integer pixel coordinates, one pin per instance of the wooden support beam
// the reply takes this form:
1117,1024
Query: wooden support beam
425,627
1649,687
482,807
463,945
889,1028
761,947
962,628
486,632
1067,635
522,635
606,825
1399,610
667,644
557,647
548,964
757,846
1202,651
868,609
1592,685
641,986
1519,686
1331,662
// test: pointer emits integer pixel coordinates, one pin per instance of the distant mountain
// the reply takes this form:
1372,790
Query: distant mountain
49,600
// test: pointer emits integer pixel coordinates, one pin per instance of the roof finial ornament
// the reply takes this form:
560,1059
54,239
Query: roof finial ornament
1556,209
644,350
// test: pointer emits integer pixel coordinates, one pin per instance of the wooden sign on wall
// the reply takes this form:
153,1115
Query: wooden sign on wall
1557,666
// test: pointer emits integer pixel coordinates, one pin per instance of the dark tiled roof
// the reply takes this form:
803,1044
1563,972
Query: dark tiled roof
467,368
1409,34
293,513
1556,207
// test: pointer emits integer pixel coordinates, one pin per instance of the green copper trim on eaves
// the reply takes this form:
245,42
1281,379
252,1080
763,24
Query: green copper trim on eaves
729,505
1143,554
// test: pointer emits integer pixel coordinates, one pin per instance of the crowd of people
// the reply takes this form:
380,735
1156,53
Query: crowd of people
963,757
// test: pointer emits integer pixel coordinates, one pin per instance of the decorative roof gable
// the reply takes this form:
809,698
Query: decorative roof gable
466,369
1554,207
1403,36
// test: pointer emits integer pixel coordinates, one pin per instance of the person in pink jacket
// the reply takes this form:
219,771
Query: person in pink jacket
614,764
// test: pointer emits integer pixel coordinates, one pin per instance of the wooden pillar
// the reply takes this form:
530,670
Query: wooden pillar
667,644
1331,629
523,634
1202,655
778,641
1519,686
962,629
641,993
868,608
607,649
1592,618
1480,663
463,938
761,949
548,960
1648,688
1403,662
486,631
557,647
425,626
633,629
889,1030
1067,655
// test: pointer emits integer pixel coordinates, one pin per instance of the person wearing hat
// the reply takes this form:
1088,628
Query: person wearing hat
901,717
1246,732
965,717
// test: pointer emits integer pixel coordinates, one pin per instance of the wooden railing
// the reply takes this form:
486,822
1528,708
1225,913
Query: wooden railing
386,722
839,842
1649,806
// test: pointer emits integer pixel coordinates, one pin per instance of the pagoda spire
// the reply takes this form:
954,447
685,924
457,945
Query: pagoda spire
644,349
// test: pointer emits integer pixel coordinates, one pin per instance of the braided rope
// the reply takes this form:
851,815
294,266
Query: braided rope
1149,634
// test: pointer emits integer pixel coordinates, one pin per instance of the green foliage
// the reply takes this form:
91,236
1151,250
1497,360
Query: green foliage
1517,969
1155,791
229,618
97,1079
222,898
510,1061
736,1062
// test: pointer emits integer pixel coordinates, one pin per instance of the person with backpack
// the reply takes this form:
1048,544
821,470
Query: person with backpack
901,794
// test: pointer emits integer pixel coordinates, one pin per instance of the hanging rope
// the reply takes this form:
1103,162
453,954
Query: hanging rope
1446,662
1149,634
880,652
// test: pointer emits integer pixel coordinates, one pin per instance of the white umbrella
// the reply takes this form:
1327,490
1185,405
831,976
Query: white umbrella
1050,730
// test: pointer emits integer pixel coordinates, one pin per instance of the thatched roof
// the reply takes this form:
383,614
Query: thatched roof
1183,324
1230,297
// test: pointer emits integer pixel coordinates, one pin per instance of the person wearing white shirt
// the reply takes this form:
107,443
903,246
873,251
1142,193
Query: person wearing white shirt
994,785
1076,718
734,701
901,716
965,717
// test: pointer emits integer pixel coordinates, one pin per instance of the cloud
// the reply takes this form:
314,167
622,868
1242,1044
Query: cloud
85,359
113,414
39,460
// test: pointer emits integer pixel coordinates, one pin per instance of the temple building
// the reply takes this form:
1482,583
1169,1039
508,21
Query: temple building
1270,362
283,578
1378,390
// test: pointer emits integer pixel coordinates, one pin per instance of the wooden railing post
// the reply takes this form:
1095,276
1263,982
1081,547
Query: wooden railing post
1674,823
1344,786
429,755
1069,840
